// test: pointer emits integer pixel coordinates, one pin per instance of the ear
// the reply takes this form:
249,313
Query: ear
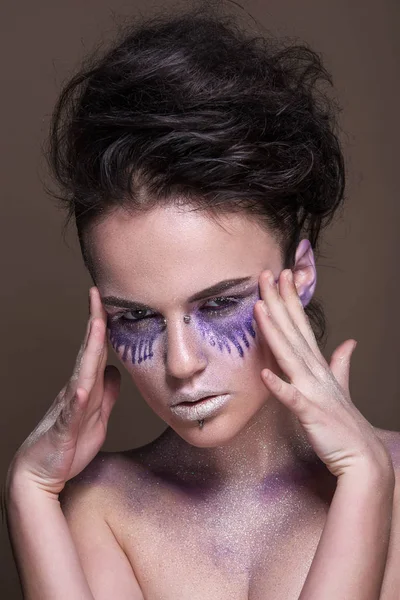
304,272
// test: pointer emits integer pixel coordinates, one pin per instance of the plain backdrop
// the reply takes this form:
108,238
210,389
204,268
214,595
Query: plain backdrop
44,285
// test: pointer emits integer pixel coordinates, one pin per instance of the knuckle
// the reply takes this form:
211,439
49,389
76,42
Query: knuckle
97,325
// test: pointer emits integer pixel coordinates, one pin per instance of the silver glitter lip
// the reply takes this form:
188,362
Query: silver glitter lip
200,409
194,396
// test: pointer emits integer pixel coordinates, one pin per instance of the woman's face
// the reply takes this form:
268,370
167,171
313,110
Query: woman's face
153,269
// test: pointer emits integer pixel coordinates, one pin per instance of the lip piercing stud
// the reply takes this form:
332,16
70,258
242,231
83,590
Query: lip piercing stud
201,423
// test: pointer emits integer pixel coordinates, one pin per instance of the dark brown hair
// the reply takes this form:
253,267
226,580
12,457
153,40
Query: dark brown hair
189,107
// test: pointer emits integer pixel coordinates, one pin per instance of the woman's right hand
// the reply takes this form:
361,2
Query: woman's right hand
74,428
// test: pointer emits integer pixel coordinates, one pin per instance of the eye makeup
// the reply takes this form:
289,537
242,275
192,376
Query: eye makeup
138,338
231,330
226,326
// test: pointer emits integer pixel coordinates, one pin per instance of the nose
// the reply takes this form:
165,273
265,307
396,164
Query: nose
184,350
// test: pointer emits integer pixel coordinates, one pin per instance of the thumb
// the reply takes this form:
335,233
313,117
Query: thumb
112,386
340,363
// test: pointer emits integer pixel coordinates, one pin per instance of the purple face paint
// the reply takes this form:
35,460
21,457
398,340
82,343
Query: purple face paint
229,325
233,329
136,336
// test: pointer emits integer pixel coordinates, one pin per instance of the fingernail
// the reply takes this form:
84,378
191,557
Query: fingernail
355,345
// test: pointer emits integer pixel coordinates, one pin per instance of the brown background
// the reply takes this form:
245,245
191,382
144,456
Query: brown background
44,284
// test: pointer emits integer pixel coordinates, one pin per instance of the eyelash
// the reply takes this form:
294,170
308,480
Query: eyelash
230,302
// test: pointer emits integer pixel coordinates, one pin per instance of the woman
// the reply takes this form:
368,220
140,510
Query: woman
200,166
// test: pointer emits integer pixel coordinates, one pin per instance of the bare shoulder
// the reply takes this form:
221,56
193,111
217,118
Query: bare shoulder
104,477
94,476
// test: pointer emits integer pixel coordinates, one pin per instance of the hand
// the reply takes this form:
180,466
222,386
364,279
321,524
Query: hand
317,393
74,428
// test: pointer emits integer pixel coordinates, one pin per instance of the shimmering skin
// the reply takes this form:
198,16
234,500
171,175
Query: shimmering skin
190,532
233,510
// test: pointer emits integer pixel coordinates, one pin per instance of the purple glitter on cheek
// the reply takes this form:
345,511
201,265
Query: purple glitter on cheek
227,331
137,337
234,329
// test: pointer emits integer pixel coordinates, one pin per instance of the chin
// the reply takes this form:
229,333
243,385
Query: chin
216,431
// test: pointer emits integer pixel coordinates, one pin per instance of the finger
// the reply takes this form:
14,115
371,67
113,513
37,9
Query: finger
288,347
86,337
91,371
112,386
290,396
97,391
92,314
340,363
97,305
288,292
78,360
98,387
295,341
93,356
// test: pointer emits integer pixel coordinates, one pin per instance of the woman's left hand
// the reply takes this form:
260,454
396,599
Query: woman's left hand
318,393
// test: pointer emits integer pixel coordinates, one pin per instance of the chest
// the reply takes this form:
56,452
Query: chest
232,549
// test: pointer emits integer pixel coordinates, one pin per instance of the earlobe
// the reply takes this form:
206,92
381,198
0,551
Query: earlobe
304,272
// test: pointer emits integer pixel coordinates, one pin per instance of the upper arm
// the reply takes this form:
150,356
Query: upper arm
106,566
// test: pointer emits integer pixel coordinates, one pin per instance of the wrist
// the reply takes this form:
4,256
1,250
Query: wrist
19,488
369,474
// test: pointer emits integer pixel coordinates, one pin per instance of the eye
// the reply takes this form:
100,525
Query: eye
138,315
223,303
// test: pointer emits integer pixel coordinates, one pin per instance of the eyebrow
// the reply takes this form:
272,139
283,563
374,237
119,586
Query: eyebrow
217,288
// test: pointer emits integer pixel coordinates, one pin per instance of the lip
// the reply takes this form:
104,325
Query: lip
195,396
204,407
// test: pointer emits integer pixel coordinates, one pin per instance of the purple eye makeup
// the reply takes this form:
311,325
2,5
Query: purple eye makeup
137,336
231,329
224,322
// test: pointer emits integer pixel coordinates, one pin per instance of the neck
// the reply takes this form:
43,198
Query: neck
271,446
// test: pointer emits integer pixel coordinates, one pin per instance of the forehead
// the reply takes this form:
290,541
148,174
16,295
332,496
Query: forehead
177,248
